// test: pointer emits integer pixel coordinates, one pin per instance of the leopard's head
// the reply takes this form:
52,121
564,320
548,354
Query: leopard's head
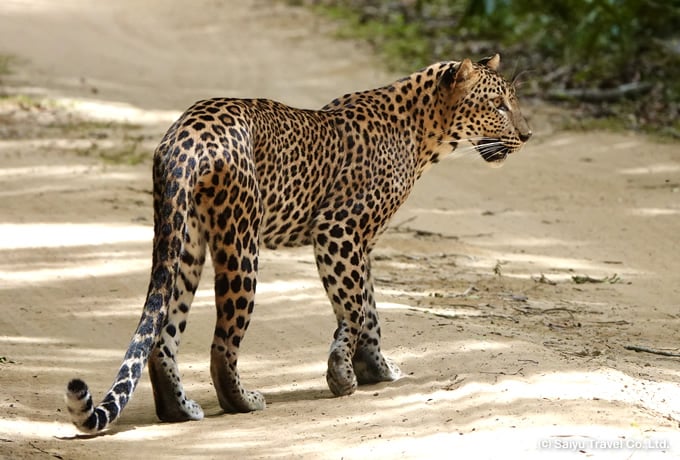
482,109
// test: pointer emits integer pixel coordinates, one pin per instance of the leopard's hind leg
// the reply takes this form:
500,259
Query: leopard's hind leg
170,398
233,215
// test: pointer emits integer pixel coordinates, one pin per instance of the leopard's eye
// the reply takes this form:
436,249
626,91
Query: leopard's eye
499,103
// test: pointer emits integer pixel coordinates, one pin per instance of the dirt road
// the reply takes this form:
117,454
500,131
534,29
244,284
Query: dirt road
508,296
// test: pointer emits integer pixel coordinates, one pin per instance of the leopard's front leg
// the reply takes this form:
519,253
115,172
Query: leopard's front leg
370,366
343,263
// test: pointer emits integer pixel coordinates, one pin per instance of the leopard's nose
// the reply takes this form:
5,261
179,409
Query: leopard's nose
525,136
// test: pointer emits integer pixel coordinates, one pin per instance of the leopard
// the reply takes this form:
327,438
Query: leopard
237,175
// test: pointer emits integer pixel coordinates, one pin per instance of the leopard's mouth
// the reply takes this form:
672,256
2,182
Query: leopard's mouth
493,150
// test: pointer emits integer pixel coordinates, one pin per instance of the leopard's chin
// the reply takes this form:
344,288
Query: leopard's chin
497,163
493,151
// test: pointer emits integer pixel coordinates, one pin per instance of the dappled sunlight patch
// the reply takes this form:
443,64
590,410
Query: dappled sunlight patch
655,168
43,171
561,441
284,286
53,143
62,273
540,261
119,112
21,236
478,345
28,185
31,429
602,384
17,340
225,441
88,353
271,288
242,436
144,433
313,296
38,172
302,254
461,212
654,212
129,307
67,367
280,367
63,357
494,444
263,367
527,242
120,432
204,296
537,263
76,255
282,384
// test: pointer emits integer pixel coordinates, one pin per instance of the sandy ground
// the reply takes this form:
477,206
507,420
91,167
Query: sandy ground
485,278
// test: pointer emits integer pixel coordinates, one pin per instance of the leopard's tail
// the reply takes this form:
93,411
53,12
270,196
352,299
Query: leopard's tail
90,419
168,242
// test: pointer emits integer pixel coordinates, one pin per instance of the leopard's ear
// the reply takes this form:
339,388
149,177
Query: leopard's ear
446,80
492,62
464,72
459,79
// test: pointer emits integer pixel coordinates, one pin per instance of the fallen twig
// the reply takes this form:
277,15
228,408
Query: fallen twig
402,228
582,279
598,94
544,280
517,372
455,383
651,350
453,315
620,322
540,311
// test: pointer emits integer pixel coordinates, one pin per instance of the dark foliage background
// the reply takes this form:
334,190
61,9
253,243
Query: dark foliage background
615,62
